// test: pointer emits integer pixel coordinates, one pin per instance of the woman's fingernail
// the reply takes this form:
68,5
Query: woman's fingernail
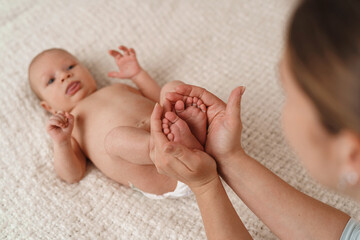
243,90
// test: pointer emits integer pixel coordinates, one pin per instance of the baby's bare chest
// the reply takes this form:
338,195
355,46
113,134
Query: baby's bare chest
106,109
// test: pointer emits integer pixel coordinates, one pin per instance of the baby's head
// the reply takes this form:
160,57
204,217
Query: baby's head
59,80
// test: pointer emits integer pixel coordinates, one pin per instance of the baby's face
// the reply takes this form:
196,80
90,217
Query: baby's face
60,80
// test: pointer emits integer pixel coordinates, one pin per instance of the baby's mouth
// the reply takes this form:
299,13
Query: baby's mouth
73,87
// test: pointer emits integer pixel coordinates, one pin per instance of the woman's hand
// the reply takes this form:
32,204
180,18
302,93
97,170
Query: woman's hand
198,170
224,131
192,167
126,62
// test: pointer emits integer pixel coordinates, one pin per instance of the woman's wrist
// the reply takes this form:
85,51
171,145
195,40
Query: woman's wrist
209,186
226,163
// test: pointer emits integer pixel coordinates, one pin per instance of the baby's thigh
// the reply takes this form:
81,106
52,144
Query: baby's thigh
129,143
144,177
168,87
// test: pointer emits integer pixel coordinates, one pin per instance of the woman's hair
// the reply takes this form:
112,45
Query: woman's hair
324,57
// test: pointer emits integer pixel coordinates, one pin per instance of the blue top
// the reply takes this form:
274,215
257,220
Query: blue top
351,231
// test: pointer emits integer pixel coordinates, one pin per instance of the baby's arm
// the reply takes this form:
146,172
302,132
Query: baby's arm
129,68
69,161
147,85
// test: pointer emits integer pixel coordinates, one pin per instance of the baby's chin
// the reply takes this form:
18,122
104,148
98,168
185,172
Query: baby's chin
74,100
80,94
67,107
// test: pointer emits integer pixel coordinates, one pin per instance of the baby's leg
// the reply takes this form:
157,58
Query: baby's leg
143,177
129,147
130,144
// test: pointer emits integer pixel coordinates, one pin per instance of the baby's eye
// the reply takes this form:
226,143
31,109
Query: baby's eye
51,80
71,66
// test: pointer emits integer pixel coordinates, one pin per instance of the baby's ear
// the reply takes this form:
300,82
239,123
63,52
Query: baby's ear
47,107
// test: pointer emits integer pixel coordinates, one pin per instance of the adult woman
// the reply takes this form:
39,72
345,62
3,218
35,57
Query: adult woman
321,76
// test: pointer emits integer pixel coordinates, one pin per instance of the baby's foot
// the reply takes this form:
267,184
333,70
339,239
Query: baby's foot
177,130
194,114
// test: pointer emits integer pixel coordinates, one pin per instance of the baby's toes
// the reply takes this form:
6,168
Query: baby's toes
189,102
166,131
202,107
172,117
165,126
179,106
170,136
195,100
165,121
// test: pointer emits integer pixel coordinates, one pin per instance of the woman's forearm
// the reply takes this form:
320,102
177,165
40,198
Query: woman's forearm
289,213
219,216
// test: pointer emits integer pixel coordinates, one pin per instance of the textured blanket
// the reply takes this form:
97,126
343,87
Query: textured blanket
214,44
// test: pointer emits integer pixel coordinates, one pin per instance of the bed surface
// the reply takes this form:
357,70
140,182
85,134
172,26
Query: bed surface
214,44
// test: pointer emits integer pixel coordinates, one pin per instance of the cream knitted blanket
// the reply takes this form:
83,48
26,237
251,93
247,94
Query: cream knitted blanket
214,44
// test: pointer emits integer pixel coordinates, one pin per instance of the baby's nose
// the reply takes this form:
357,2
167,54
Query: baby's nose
65,76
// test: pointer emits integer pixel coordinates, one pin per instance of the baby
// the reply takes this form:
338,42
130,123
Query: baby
111,126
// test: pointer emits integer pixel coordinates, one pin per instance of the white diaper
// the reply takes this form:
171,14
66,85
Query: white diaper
181,190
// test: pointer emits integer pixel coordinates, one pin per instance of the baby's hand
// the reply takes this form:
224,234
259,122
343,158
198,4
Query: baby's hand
60,126
127,63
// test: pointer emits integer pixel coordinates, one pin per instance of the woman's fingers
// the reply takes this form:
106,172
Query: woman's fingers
165,163
207,97
169,162
158,138
174,97
213,104
193,167
182,154
175,160
194,161
167,106
156,119
233,107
